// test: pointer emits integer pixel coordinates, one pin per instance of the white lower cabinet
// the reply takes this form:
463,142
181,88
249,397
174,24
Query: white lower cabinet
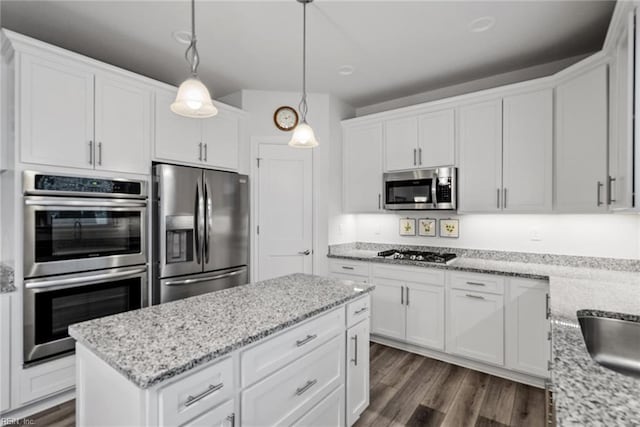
5,364
387,307
220,416
425,315
357,371
329,412
528,347
476,326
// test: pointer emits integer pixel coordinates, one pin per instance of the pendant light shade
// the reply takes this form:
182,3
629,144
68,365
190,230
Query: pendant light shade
193,98
303,135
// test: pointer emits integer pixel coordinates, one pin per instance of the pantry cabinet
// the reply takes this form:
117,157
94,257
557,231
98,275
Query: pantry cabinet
581,145
362,168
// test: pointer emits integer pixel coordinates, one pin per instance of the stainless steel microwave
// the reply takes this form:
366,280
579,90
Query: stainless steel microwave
424,189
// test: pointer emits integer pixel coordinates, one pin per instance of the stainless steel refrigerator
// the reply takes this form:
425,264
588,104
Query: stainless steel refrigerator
201,231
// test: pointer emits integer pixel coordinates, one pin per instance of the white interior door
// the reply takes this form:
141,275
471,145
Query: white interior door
284,211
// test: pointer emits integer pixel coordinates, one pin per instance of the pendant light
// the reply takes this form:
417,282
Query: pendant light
303,135
193,98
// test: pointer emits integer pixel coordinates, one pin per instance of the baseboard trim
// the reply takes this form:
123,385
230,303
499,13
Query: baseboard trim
461,361
39,406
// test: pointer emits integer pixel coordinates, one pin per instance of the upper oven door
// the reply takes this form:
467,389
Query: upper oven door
64,235
409,190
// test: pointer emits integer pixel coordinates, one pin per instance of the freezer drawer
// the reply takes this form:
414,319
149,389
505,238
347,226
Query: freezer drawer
197,284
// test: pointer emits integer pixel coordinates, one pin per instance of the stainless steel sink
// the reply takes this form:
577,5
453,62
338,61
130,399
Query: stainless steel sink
612,341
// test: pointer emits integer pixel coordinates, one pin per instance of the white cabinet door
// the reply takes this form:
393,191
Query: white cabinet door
357,370
480,157
527,173
5,338
476,326
581,145
220,137
621,151
56,113
177,138
528,348
362,168
436,140
329,412
387,308
220,416
425,315
401,143
123,125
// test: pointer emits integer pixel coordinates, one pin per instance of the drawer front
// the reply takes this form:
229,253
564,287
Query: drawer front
410,274
349,267
477,282
358,310
289,393
361,279
265,358
197,393
220,416
329,412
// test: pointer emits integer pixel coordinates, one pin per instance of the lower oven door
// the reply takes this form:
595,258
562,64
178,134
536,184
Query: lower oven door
54,303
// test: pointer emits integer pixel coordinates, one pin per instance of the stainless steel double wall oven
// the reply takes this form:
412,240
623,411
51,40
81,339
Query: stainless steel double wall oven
85,255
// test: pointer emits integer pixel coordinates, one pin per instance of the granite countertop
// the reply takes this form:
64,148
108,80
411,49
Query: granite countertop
6,279
156,343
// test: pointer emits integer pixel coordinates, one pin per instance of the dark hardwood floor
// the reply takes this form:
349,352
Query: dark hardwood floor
412,390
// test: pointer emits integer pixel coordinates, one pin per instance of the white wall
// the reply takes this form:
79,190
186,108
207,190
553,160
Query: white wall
510,77
613,236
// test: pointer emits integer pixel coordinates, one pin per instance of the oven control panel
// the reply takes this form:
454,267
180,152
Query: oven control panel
38,183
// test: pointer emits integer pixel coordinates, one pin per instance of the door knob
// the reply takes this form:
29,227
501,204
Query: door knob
307,252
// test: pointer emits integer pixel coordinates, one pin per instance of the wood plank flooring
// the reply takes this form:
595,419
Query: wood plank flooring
412,390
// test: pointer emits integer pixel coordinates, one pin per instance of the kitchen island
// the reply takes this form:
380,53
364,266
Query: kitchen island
290,350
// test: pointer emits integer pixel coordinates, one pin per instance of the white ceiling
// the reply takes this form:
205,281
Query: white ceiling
396,47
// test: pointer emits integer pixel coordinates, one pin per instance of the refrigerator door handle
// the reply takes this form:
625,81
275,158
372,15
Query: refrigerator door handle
204,279
198,224
208,215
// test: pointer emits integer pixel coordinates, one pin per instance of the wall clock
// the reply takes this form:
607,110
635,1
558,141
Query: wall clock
285,118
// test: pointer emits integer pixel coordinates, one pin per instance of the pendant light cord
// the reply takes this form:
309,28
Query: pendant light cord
191,55
303,102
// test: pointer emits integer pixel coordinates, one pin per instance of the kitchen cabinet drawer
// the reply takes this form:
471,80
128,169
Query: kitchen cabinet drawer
410,274
354,278
350,268
289,393
358,310
196,394
265,358
329,412
477,282
221,416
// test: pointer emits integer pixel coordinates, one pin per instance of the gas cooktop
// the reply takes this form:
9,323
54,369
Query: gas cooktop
434,257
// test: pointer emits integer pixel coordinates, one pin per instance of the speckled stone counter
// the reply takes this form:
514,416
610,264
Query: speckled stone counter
156,343
6,279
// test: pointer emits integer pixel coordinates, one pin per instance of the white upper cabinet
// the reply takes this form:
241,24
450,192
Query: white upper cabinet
401,143
480,157
122,125
56,112
220,135
621,145
436,139
527,174
581,145
362,168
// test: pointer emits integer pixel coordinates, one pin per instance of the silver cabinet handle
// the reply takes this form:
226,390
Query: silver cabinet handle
200,151
498,198
212,389
355,350
598,191
307,252
610,198
547,312
90,152
100,153
476,284
504,198
307,386
206,146
407,291
362,310
346,267
402,295
419,156
474,296
303,341
232,419
414,156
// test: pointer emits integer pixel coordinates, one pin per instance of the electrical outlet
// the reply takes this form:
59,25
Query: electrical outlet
535,235
378,229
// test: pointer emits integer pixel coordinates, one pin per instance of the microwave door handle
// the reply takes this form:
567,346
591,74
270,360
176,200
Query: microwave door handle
74,282
434,183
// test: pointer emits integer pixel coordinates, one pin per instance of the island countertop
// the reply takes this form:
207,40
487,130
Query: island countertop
156,343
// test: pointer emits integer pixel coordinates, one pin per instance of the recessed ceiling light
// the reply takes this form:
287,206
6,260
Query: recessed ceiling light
346,70
182,36
482,24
